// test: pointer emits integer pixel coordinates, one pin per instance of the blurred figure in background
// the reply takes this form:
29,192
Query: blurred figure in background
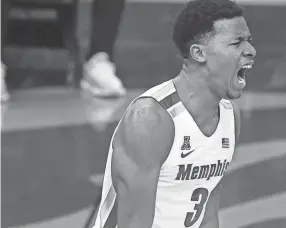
5,5
4,93
99,71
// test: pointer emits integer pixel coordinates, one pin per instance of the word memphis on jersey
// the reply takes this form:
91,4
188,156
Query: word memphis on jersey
207,171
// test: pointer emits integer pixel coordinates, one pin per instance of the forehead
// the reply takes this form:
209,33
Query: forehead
234,27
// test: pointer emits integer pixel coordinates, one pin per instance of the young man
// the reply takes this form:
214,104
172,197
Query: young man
174,143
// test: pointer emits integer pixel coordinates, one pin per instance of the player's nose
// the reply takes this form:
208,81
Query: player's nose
249,51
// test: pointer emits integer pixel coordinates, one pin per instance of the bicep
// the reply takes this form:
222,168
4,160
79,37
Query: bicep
140,148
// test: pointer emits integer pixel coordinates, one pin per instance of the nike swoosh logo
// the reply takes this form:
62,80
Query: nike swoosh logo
186,154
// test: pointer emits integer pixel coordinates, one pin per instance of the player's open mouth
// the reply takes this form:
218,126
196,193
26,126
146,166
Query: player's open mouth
241,73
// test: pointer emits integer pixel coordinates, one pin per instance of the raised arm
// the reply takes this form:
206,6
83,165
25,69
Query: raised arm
141,145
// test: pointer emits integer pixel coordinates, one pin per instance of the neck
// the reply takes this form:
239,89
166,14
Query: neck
195,92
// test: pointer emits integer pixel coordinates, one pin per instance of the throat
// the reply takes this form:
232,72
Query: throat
208,126
202,105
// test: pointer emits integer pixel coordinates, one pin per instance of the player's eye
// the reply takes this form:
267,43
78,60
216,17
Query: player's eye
236,43
250,41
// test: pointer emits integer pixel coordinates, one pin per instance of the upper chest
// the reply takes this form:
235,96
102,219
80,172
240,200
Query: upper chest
190,145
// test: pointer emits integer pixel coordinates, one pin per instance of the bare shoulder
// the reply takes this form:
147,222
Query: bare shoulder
145,134
141,145
237,119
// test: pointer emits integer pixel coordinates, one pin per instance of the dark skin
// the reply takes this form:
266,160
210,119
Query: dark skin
209,75
137,160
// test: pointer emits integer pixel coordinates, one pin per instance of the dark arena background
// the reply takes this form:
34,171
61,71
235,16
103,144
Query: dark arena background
55,139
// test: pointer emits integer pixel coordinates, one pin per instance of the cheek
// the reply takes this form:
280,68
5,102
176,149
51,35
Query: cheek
229,60
227,57
221,57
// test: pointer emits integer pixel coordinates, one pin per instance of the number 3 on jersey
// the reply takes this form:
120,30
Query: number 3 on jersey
199,195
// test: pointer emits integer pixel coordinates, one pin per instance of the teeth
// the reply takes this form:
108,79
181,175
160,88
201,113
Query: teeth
241,81
247,67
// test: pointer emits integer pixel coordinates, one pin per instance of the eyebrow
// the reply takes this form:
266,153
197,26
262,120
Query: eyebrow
249,37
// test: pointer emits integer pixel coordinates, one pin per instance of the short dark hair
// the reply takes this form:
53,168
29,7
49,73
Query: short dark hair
197,18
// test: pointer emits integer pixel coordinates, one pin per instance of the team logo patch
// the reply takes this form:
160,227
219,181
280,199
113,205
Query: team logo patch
186,147
186,144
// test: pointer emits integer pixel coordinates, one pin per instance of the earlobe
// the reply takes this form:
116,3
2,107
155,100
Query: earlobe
197,53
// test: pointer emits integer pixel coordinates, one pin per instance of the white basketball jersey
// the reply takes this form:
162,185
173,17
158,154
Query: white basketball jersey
195,165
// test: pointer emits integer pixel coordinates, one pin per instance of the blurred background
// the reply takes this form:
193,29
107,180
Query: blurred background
59,110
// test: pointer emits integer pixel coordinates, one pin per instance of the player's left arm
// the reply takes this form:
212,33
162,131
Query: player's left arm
211,219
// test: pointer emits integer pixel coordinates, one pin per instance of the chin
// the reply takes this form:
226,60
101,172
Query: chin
234,95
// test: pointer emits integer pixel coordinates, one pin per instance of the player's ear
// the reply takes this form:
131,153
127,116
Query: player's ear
197,53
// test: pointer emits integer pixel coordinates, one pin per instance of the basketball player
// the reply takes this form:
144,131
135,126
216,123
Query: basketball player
174,143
